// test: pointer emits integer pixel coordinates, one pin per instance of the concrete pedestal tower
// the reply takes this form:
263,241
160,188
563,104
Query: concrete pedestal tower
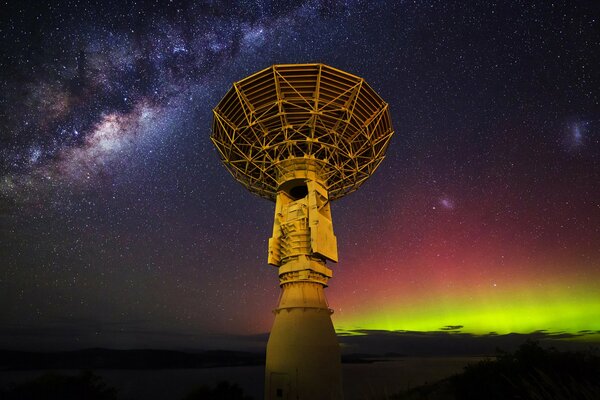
303,355
302,135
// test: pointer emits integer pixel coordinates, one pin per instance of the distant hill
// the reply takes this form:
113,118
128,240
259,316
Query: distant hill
125,359
142,359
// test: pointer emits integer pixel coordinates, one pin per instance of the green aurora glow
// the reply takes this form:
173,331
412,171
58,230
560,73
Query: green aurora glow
566,309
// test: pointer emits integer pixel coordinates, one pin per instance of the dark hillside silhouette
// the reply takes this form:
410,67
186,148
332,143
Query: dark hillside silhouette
53,386
530,373
125,359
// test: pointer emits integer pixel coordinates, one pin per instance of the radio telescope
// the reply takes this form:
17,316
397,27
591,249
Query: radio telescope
302,135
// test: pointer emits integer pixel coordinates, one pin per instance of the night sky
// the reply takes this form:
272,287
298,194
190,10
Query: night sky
119,226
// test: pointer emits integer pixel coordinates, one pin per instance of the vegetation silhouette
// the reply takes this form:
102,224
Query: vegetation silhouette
52,386
530,373
223,391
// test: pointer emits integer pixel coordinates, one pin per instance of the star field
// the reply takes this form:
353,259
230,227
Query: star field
119,227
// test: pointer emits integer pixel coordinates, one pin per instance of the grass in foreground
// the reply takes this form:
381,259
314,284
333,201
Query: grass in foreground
530,373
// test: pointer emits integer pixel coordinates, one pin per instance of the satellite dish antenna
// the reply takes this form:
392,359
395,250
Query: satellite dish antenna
302,135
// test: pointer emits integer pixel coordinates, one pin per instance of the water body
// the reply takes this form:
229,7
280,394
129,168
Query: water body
361,381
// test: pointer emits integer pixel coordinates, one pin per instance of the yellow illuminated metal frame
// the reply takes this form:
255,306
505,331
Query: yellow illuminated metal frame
308,111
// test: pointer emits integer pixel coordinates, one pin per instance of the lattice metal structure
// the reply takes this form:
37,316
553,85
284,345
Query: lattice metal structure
310,111
302,135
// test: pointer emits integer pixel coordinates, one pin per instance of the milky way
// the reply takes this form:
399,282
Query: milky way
81,89
119,226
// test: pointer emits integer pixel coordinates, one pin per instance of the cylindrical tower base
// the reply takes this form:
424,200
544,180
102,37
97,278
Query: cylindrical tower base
303,354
